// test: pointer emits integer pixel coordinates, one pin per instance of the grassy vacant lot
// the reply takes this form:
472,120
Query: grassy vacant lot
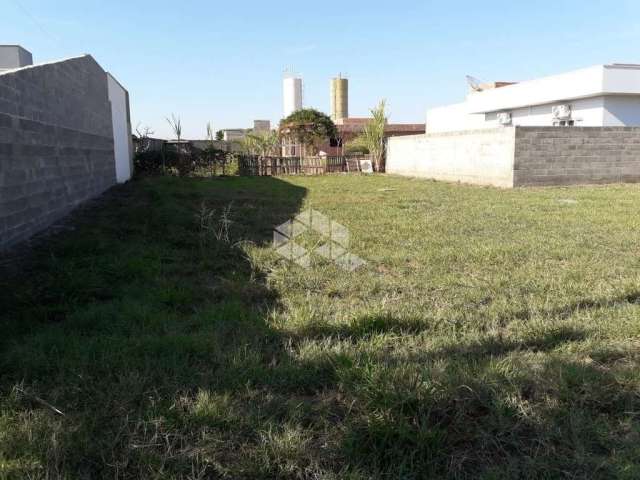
493,334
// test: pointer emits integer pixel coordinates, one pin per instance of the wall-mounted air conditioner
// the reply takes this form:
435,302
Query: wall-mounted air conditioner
504,118
561,112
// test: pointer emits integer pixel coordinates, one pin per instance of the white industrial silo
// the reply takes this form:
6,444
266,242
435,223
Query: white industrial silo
291,94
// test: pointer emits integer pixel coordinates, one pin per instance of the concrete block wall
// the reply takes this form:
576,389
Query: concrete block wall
483,157
521,156
576,155
56,143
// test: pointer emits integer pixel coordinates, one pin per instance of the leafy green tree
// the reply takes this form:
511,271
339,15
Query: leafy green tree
372,136
356,146
219,135
309,127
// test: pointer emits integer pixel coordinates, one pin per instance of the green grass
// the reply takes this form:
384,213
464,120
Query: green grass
492,334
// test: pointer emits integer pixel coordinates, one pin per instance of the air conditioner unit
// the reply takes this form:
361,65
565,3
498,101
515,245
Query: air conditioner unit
561,112
504,118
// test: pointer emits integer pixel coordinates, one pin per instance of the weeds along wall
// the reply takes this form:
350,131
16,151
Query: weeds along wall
521,156
56,143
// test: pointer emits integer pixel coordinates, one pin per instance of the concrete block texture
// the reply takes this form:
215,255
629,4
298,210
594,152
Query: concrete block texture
56,143
521,156
580,155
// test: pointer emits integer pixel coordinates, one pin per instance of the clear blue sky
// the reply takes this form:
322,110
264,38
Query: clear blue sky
223,61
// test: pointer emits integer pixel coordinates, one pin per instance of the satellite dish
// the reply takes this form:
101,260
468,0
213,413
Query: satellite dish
474,83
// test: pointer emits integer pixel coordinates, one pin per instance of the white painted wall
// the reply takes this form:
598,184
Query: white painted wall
621,110
621,79
604,95
229,135
483,157
586,112
453,118
603,111
122,147
588,82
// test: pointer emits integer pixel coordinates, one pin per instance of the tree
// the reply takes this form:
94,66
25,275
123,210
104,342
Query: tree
356,146
261,143
143,133
372,136
176,125
219,136
308,127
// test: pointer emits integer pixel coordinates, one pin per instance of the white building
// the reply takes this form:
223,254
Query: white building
599,96
232,134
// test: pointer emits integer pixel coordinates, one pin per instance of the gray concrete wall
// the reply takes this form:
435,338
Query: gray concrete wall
482,157
521,156
576,155
56,143
14,56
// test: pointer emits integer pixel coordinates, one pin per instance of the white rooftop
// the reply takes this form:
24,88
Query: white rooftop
613,79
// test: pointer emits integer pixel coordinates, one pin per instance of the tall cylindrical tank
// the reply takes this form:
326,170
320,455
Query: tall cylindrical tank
339,98
291,95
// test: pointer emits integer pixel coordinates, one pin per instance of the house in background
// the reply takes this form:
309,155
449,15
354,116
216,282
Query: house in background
238,134
579,127
351,127
599,96
234,134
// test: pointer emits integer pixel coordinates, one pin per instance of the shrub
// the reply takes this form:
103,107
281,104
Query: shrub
190,162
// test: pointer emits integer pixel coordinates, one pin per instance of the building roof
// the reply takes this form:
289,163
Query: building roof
613,79
356,125
352,121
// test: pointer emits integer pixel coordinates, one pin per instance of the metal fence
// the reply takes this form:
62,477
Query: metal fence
252,165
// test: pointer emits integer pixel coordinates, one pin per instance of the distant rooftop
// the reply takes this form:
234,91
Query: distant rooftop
623,65
14,56
355,125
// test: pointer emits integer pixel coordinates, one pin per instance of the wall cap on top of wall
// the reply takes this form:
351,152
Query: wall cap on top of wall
44,64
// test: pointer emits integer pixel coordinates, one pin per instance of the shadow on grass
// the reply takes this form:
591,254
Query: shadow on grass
156,345
544,418
366,326
493,408
489,407
134,320
566,311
